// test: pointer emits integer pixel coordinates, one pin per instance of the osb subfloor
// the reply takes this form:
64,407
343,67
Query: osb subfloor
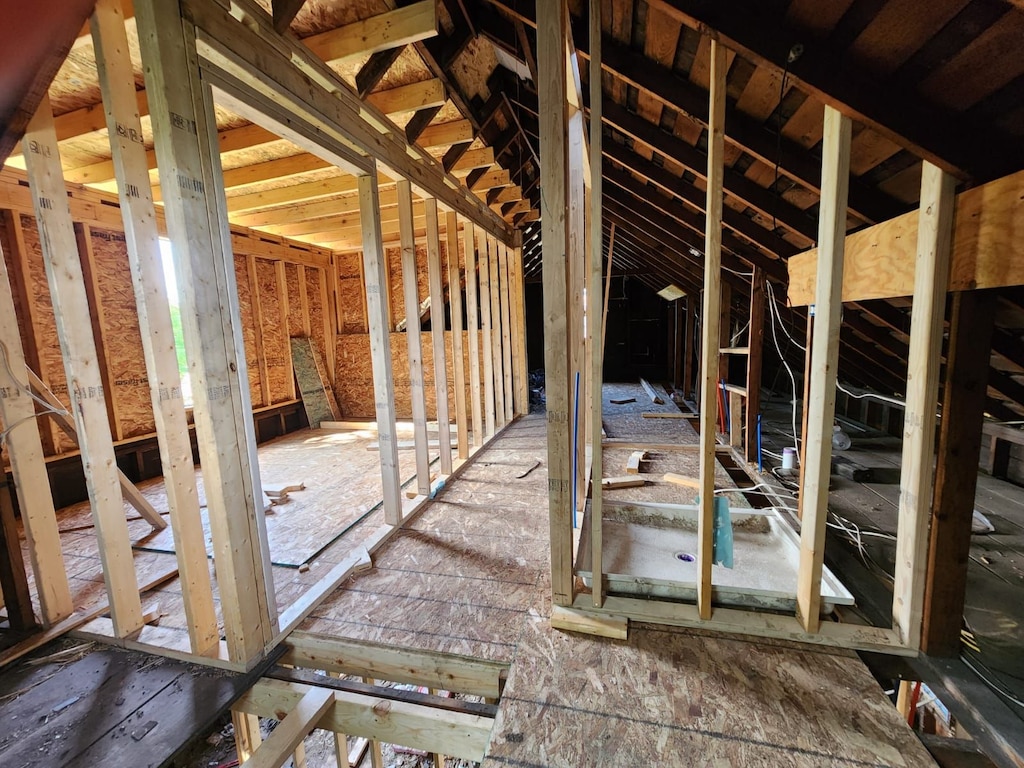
471,577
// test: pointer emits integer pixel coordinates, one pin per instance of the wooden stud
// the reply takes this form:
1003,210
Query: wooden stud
284,310
184,130
286,739
956,470
473,321
455,319
498,367
25,451
824,352
678,338
247,734
576,210
688,342
258,325
413,338
144,259
487,335
85,387
378,313
437,337
504,294
711,325
736,420
552,27
755,355
931,275
519,363
409,98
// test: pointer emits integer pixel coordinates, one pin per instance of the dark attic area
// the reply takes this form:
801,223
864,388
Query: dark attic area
516,384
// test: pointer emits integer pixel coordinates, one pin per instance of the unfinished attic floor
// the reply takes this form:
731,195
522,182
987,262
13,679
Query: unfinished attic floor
470,576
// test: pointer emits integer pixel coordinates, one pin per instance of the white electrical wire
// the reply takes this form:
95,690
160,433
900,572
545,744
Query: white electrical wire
990,683
739,274
872,395
47,408
782,357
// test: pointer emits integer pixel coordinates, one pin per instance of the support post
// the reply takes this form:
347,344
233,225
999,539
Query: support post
678,331
444,430
496,331
688,354
378,318
519,329
504,293
821,405
473,321
413,338
931,276
595,329
185,133
712,320
483,243
124,128
755,354
25,451
81,365
552,25
956,470
455,318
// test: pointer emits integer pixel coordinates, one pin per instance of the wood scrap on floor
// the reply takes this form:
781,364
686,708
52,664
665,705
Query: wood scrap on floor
629,481
633,464
658,415
408,445
278,492
622,400
677,479
851,470
652,392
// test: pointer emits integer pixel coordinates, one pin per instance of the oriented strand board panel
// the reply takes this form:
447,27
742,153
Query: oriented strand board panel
317,311
291,276
121,335
988,249
252,362
275,337
351,293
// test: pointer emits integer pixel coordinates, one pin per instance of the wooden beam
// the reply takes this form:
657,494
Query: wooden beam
552,29
14,593
755,354
437,335
473,321
391,29
956,470
185,139
411,666
455,318
521,368
378,313
824,353
985,251
410,289
710,328
286,739
284,11
25,452
931,275
455,733
409,98
117,84
505,296
487,333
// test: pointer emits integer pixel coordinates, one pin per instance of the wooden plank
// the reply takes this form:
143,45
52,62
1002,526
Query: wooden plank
185,138
956,470
656,398
284,308
413,340
409,98
390,29
520,367
287,737
25,452
604,625
380,346
498,367
735,420
824,358
314,387
455,733
74,331
504,295
411,666
14,594
552,25
711,325
455,318
473,321
931,275
595,329
690,338
437,336
685,482
247,734
755,343
633,463
124,127
487,334
628,481
258,326
986,253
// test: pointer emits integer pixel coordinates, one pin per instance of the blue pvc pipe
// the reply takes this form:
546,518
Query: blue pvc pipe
725,407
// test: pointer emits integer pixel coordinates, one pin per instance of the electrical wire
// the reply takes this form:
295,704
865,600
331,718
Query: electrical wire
47,408
782,357
998,688
872,396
